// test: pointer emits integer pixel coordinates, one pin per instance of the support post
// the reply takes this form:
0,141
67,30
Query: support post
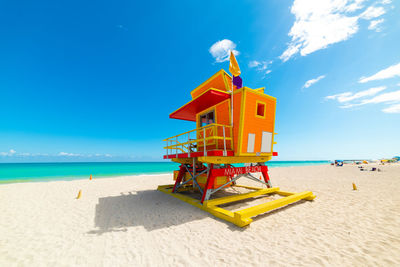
209,183
176,146
181,174
223,130
204,142
266,178
194,172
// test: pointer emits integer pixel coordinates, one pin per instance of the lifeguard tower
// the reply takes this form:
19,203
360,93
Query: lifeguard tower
234,124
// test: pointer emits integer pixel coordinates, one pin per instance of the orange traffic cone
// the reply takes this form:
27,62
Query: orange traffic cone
90,177
354,186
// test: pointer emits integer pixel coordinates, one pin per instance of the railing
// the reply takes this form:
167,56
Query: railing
210,137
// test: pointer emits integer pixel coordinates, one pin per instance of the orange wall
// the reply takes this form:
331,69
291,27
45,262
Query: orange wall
222,116
253,124
223,113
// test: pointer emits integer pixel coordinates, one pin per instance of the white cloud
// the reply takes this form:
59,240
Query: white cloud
372,12
349,96
354,5
11,152
313,81
388,97
289,52
389,72
254,63
392,109
221,50
320,23
374,25
65,154
261,66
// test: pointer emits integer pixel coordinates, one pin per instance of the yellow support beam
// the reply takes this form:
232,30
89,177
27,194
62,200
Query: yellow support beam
234,198
249,187
245,214
285,193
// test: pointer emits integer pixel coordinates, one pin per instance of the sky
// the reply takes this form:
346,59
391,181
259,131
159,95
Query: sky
96,81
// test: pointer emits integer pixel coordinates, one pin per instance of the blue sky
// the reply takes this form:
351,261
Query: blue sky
96,81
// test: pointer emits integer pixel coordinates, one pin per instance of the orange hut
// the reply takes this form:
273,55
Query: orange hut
233,125
217,138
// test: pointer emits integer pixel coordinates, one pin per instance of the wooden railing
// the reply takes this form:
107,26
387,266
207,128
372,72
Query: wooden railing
209,137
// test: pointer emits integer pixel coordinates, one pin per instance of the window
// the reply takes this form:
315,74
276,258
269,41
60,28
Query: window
207,118
260,109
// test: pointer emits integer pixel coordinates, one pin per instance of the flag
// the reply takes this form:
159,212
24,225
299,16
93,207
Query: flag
233,65
237,81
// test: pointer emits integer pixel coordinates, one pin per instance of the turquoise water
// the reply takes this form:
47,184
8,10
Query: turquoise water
28,172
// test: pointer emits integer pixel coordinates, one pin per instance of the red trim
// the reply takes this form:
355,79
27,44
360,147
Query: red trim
274,154
238,170
208,99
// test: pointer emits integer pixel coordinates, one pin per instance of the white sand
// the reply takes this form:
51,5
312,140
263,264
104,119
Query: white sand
126,222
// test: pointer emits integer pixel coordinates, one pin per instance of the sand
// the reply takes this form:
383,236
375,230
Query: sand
126,222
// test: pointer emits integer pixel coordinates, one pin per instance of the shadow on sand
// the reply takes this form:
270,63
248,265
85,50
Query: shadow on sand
151,209
154,210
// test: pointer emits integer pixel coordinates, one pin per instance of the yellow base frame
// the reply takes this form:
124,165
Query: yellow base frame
242,217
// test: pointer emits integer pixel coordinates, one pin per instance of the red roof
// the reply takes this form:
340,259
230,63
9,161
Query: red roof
208,99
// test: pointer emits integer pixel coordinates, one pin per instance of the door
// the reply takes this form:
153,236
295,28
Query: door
266,142
250,142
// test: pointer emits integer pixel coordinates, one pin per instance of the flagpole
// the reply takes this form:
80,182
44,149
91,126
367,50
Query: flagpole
233,68
232,103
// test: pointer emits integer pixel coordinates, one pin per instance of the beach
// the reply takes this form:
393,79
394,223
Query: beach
125,221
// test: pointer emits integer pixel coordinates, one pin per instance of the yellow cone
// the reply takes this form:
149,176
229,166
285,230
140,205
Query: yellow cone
79,194
354,186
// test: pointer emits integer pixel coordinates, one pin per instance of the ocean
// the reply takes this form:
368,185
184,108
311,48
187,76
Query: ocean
39,172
